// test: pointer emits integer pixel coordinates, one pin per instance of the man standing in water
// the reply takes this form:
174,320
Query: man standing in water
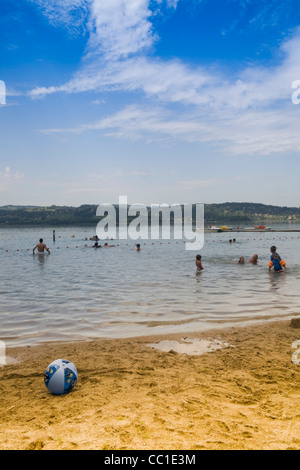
41,247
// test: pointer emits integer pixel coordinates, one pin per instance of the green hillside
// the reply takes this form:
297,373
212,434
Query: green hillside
227,213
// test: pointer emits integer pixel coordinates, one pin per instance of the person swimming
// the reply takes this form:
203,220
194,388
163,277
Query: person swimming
97,245
241,260
254,259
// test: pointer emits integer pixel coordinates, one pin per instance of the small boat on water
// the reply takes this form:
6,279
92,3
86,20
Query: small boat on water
216,229
259,229
256,228
224,228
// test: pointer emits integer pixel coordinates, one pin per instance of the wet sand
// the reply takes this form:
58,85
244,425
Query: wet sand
132,396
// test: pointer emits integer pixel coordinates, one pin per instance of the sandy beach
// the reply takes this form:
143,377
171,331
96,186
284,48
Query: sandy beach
132,396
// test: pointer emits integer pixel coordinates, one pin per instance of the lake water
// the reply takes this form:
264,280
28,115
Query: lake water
78,293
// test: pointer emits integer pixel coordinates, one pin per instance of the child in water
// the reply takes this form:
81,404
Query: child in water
242,260
199,263
273,251
276,262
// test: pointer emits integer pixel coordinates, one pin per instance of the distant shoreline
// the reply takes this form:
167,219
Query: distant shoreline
237,225
231,214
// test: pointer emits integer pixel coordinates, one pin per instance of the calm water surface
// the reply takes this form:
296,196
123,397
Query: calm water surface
79,293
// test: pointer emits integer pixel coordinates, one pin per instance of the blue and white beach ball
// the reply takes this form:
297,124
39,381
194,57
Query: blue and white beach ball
61,377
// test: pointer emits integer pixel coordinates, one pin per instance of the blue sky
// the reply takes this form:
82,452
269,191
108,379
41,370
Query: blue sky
163,101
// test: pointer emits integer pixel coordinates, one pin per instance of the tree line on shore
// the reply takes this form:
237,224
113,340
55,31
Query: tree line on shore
226,213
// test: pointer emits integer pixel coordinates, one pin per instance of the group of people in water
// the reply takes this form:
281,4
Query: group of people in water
41,247
96,245
276,263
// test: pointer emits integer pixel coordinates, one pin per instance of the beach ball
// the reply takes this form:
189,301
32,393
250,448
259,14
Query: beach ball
61,377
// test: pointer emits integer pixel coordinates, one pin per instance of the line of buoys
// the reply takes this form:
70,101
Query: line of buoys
169,243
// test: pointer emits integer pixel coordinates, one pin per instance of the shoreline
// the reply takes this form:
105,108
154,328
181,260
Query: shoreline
189,327
131,396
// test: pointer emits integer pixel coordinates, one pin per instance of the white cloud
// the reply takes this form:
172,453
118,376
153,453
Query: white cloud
8,175
71,14
233,131
120,27
249,112
8,179
116,27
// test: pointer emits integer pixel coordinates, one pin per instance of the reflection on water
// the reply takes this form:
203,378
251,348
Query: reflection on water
277,280
79,292
41,259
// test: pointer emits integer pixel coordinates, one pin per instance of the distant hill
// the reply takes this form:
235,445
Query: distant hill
230,212
226,213
48,216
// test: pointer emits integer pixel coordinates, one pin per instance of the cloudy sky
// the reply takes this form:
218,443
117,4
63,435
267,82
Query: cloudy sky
163,101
